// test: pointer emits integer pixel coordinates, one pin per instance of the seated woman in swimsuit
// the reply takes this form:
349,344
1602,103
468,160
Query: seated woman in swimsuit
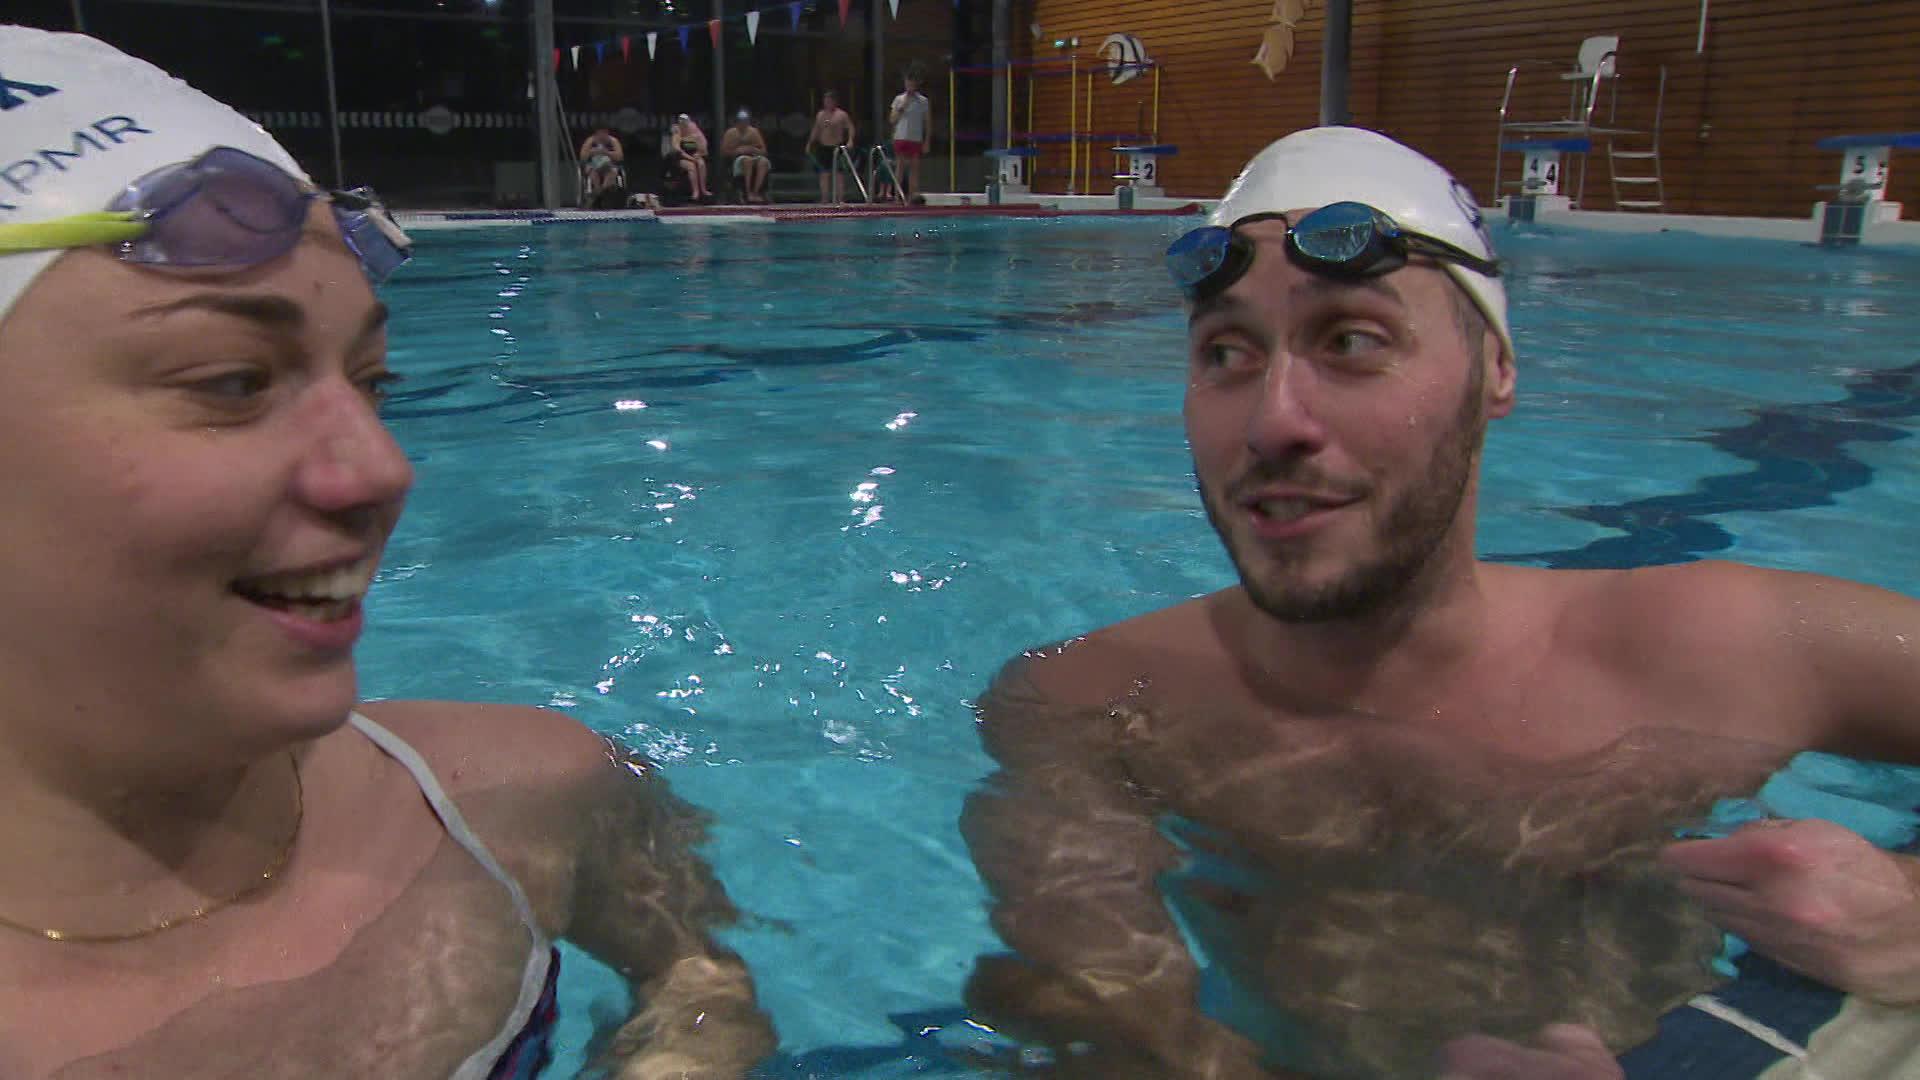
219,863
686,146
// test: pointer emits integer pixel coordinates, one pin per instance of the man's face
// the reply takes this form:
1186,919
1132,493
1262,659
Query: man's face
1336,426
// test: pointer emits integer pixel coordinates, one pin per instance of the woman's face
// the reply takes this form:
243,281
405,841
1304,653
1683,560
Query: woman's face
199,491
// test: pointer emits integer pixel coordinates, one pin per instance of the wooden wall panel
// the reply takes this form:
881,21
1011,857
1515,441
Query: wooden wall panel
1739,123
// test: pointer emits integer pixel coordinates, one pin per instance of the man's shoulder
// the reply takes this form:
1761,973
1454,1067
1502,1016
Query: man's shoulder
1681,594
1699,622
1098,667
479,746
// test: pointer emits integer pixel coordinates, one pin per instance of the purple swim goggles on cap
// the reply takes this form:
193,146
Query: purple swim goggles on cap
228,208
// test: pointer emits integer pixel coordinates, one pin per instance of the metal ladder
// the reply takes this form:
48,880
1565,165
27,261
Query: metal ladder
1640,185
877,163
1641,189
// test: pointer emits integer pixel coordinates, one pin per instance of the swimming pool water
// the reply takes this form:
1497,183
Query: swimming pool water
771,503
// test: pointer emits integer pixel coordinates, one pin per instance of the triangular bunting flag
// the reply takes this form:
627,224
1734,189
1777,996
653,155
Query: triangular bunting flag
683,39
600,50
794,10
894,6
556,59
753,27
653,45
843,12
576,57
713,31
626,48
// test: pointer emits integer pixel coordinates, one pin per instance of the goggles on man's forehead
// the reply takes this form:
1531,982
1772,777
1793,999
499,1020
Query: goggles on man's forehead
225,208
1344,238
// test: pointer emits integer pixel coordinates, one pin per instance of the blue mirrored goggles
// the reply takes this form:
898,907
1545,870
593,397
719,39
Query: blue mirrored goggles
1343,239
228,208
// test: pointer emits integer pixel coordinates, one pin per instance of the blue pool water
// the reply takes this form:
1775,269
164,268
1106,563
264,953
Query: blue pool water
771,503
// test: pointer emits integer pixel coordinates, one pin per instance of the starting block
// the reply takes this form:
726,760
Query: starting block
1143,168
1857,205
1010,178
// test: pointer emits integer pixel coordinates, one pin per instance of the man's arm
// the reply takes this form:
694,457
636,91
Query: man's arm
1071,857
1843,661
1862,657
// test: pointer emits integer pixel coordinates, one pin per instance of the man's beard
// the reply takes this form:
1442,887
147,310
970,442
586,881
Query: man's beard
1404,541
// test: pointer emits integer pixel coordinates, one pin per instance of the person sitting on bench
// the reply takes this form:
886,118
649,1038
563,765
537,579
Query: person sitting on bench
746,149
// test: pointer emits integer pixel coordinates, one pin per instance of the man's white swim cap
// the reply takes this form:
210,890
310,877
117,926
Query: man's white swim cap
1309,169
80,120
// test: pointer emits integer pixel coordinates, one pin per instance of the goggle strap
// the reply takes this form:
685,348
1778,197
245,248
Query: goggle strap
76,230
1421,244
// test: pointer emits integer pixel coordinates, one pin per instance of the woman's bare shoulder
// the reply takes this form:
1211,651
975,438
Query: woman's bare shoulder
471,745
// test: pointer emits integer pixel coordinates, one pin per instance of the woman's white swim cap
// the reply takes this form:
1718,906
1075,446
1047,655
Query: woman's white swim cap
1309,169
80,120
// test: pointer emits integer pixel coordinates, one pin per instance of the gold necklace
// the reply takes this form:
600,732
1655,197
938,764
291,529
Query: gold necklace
279,863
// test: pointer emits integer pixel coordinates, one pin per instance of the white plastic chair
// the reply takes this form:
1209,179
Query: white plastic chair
1593,66
1596,54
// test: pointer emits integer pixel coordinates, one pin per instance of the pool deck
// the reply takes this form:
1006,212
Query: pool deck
1900,234
938,206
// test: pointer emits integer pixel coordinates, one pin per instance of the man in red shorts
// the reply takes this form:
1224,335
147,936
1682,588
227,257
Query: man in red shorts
912,120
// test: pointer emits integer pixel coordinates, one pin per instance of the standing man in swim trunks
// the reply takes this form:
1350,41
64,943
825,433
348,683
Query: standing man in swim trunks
1383,809
912,118
220,861
832,128
746,153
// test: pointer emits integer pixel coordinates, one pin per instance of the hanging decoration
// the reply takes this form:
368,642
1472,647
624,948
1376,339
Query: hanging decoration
1276,45
716,31
1126,57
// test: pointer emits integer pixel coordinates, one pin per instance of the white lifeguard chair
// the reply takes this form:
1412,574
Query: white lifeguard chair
1556,151
1593,65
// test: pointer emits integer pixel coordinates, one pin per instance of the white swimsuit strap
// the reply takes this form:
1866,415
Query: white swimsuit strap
533,979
